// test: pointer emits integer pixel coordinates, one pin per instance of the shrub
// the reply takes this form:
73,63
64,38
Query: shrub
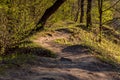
15,21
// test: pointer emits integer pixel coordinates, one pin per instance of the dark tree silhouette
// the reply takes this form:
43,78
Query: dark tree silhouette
100,5
82,11
48,13
41,22
88,13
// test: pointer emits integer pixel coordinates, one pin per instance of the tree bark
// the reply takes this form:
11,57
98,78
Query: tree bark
44,18
78,11
88,14
100,5
82,12
48,13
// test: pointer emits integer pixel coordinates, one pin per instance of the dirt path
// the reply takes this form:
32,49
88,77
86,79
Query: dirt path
73,63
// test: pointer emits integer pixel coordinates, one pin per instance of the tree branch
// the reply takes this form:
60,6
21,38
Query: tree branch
112,6
48,13
44,18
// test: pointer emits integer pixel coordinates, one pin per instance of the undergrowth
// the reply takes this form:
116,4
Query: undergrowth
24,53
107,50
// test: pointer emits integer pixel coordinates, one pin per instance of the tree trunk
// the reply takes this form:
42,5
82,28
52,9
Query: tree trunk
43,19
100,4
82,12
48,13
77,13
88,14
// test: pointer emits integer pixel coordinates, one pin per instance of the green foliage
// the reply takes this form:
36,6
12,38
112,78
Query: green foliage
107,50
17,19
66,12
107,15
63,41
26,53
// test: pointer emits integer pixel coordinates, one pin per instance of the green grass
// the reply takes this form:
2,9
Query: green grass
107,50
25,53
63,41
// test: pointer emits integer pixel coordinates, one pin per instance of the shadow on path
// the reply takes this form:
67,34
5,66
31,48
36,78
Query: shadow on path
40,75
76,49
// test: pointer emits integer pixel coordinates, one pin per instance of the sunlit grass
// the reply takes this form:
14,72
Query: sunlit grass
63,41
109,51
106,50
25,53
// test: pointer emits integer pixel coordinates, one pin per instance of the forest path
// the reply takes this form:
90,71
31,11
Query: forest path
74,62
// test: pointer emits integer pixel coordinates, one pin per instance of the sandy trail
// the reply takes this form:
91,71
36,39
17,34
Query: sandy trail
74,60
73,63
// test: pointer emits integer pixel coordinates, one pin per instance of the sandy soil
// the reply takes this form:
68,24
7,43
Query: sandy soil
73,63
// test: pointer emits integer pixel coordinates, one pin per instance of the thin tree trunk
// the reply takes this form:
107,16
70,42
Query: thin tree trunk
88,14
77,13
48,13
82,12
43,19
100,4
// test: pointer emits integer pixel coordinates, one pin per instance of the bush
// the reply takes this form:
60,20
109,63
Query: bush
15,21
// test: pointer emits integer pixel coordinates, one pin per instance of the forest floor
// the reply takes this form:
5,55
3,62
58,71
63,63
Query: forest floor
73,62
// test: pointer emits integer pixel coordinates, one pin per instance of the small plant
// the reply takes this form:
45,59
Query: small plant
63,41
